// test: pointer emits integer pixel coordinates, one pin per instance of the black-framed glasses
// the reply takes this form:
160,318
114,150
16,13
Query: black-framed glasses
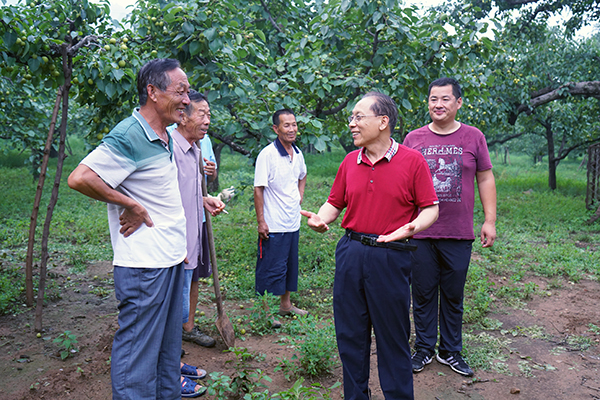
358,117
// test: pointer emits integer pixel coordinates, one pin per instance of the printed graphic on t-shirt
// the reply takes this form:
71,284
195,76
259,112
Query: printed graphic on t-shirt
445,164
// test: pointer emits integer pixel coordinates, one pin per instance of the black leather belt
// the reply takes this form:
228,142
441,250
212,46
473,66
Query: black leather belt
371,240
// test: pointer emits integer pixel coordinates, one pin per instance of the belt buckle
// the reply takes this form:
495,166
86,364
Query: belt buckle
367,240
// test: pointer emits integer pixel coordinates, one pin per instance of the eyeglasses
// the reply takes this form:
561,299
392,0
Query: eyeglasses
359,117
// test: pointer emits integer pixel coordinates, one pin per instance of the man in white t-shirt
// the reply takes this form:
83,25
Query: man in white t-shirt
279,181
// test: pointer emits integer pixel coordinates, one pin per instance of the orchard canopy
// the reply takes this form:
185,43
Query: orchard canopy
254,57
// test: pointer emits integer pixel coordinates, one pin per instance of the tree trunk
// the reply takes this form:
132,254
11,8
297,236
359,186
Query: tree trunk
36,204
552,162
67,70
213,186
583,162
347,147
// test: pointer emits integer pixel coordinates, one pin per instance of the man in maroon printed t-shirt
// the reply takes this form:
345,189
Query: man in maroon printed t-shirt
457,155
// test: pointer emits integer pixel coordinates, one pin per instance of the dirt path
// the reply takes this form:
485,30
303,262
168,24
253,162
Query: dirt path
549,349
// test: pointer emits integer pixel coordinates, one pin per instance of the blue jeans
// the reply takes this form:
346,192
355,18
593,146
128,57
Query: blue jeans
187,284
371,289
147,347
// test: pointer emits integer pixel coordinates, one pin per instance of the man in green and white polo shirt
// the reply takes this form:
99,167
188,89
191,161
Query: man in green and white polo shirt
133,170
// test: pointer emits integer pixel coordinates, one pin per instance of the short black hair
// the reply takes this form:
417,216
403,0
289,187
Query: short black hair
384,105
195,97
283,111
445,81
155,73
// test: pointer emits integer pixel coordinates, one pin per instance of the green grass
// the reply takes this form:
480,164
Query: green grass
540,232
78,232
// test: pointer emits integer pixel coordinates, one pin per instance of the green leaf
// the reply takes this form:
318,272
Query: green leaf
188,28
110,90
320,144
406,104
210,33
212,96
260,34
34,64
9,38
118,74
273,86
216,45
308,78
195,47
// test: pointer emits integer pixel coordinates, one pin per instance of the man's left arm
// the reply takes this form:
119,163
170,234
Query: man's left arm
486,184
424,220
301,186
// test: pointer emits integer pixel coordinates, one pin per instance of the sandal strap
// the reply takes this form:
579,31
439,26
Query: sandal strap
188,386
189,370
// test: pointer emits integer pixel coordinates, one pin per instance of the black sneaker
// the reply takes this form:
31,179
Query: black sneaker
420,359
456,362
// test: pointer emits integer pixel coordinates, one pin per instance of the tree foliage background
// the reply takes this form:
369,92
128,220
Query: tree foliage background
253,57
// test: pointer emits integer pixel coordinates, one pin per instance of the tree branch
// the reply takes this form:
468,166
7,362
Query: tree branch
341,106
505,139
584,89
270,17
230,143
72,51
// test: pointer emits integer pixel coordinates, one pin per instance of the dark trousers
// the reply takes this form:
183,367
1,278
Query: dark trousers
371,289
277,264
147,347
439,270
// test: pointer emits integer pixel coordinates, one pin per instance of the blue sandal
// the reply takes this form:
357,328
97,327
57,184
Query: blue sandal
188,388
192,372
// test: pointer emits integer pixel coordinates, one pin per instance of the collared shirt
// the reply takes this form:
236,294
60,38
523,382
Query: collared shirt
207,152
132,160
190,187
279,174
393,149
380,198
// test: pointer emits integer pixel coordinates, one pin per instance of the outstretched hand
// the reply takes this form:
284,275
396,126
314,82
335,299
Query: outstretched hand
315,222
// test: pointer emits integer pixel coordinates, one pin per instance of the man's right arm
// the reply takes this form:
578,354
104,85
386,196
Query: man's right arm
319,222
259,202
86,181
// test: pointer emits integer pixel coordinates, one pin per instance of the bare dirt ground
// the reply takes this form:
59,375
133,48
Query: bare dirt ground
550,351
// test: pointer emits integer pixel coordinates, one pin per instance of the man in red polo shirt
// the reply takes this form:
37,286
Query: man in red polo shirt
383,186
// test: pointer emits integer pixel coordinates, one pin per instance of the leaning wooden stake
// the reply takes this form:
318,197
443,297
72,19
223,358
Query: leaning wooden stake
223,323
